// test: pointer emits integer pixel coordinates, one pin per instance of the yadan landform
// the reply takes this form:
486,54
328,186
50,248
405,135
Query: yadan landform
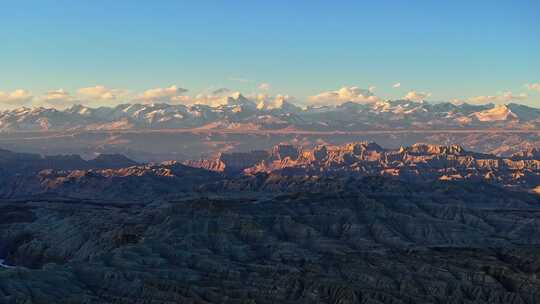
265,152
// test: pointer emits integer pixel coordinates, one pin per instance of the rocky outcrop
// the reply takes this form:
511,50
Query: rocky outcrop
416,162
531,153
208,164
282,151
109,175
239,160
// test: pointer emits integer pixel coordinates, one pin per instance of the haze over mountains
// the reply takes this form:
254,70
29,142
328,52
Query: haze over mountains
236,112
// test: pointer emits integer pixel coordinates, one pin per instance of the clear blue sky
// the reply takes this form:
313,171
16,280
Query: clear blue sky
453,49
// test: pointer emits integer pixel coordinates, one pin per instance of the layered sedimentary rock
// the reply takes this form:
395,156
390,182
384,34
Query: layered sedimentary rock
531,153
109,176
416,162
238,161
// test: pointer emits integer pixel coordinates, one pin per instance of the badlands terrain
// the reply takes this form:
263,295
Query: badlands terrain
355,223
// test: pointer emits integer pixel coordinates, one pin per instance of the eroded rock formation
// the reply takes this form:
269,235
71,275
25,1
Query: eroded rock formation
417,162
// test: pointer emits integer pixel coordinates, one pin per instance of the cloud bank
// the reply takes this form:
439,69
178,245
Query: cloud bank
504,97
345,94
18,97
101,93
57,98
417,96
172,94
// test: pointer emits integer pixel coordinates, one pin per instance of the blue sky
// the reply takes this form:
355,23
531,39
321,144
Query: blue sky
450,49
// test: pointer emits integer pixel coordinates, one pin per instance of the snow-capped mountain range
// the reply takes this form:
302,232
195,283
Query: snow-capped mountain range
237,112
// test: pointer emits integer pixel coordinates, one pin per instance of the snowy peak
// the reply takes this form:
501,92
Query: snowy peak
79,109
263,112
497,113
237,99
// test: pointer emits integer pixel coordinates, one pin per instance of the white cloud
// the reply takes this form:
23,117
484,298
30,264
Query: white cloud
417,96
354,94
214,100
58,97
504,97
172,94
264,86
533,86
16,98
372,89
457,101
217,97
101,93
268,102
397,85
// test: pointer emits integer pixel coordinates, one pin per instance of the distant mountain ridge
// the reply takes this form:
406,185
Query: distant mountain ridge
28,163
237,112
